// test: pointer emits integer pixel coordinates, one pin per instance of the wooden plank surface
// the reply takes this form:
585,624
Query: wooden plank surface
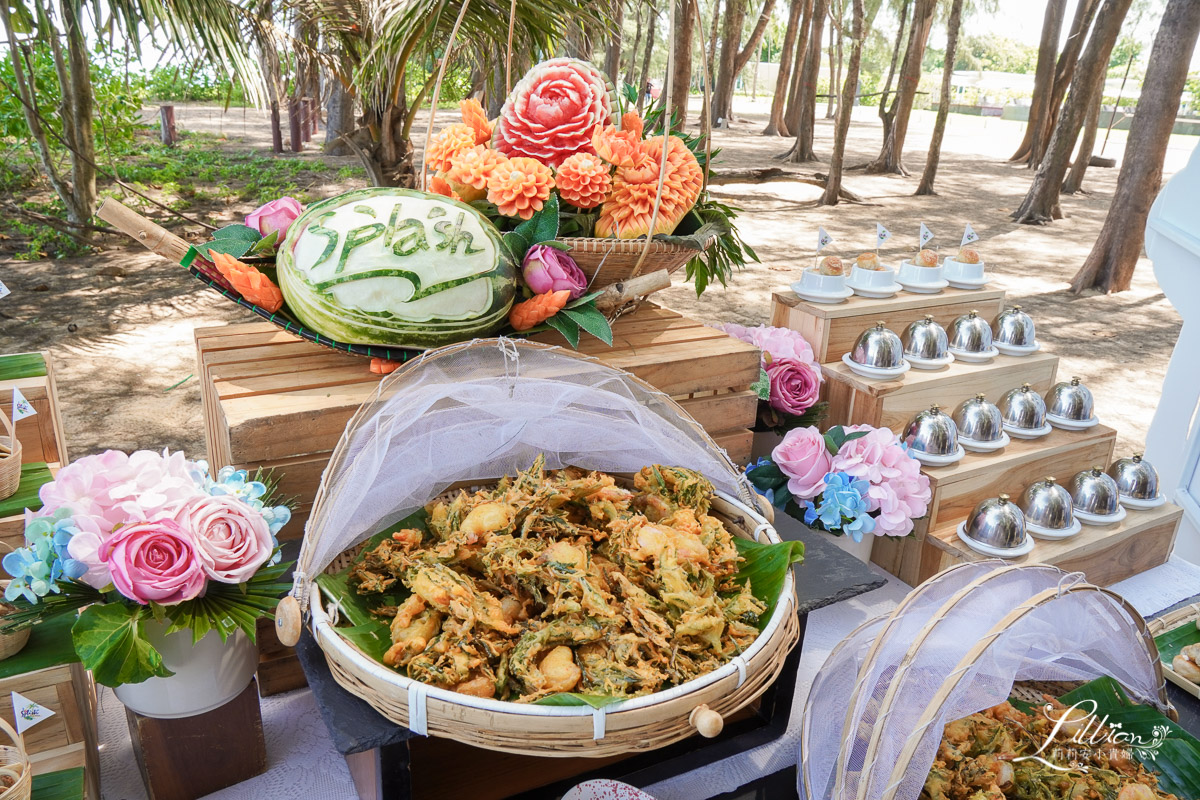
857,306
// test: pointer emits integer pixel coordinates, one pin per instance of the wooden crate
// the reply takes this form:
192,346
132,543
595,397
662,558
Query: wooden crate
47,671
958,488
854,399
832,329
41,435
1141,541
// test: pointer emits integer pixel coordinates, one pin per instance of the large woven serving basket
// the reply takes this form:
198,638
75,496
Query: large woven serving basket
467,415
607,261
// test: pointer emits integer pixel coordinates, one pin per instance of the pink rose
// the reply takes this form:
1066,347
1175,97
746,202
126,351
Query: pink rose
232,540
803,457
276,215
154,562
548,269
794,385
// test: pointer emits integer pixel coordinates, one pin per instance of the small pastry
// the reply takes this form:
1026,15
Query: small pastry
1186,668
926,258
968,256
869,261
831,265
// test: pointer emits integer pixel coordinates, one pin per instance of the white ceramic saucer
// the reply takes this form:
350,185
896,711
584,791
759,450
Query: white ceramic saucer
1072,424
971,357
924,288
1027,433
1050,534
1142,505
877,373
930,363
967,283
1101,519
1022,549
1017,349
985,447
874,292
821,297
930,460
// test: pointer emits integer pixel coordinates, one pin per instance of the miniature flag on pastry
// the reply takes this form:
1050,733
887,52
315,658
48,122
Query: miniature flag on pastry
823,239
21,408
926,235
969,235
28,713
882,234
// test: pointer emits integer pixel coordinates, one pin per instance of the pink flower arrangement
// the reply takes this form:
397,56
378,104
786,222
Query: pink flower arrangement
899,491
792,371
232,540
805,460
154,562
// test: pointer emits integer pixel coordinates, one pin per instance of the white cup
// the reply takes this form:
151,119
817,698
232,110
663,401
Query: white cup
815,282
919,276
873,278
961,271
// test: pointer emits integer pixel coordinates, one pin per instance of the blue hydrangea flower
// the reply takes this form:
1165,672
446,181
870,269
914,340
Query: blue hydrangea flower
37,568
843,506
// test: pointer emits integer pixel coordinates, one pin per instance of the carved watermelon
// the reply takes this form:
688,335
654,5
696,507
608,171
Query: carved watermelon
396,267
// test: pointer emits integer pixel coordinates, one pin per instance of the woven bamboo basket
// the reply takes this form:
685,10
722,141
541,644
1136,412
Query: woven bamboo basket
1188,615
12,643
10,458
14,761
638,724
607,261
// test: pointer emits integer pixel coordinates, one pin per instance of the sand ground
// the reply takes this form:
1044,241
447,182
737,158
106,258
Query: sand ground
123,343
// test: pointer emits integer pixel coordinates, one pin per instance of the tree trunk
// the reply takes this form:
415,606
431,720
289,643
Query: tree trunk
731,40
637,46
791,114
756,37
846,106
1043,79
645,77
340,122
775,126
612,48
1087,144
1041,203
83,156
681,62
886,115
1085,12
806,100
711,69
891,154
939,126
833,76
1113,258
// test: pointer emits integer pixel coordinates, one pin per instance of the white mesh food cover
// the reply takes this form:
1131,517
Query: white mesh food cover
956,646
485,409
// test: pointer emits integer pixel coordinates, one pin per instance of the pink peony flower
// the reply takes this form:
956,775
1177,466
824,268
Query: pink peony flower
553,111
232,540
276,215
899,491
154,562
784,343
867,456
803,457
547,269
795,385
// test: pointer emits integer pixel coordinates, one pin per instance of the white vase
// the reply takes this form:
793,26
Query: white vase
860,550
208,674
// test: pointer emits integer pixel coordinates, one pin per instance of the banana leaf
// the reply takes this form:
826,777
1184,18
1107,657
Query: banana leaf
1177,761
1172,641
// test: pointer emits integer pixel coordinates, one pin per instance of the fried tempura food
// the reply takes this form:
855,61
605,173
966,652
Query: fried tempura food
560,581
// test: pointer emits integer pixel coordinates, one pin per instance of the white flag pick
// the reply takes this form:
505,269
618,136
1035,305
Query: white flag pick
969,235
4,290
823,239
882,234
926,235
28,713
21,408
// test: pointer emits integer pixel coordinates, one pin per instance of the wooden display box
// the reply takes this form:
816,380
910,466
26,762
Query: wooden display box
958,488
855,400
833,328
48,672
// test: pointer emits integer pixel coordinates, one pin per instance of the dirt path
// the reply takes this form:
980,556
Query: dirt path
122,342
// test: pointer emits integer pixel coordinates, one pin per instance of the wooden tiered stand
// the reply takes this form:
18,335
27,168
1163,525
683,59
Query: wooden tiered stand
1106,554
275,401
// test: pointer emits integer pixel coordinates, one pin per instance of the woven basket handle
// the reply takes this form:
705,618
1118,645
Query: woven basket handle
147,233
8,426
18,739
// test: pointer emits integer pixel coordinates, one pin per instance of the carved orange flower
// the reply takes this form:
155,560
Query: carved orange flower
470,169
617,147
251,284
474,116
520,186
583,180
439,185
627,212
447,143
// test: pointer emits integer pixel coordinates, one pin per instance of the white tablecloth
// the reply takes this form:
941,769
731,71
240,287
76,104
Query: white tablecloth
302,762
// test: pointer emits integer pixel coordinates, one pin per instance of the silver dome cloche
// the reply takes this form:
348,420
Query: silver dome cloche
1137,481
1048,509
878,347
932,438
1095,496
997,524
926,341
1070,403
1014,328
1024,413
971,336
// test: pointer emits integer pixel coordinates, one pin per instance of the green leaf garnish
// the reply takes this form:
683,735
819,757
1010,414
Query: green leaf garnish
108,639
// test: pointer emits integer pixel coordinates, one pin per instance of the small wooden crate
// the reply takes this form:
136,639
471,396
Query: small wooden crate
48,672
855,400
832,329
958,488
41,435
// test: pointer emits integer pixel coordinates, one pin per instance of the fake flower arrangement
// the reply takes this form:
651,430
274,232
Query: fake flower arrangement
142,537
789,381
852,480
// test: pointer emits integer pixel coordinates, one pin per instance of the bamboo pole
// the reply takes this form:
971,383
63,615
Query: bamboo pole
149,234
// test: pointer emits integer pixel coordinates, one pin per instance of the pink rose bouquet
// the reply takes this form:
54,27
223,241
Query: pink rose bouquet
790,382
851,480
138,537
